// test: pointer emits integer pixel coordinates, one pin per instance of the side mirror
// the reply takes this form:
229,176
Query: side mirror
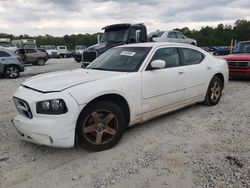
137,35
98,38
158,64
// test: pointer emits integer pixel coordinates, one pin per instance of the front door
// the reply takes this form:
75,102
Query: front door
163,89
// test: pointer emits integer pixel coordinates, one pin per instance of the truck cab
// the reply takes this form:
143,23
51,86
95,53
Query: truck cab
114,35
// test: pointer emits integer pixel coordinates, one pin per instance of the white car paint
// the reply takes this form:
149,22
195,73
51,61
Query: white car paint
148,93
172,36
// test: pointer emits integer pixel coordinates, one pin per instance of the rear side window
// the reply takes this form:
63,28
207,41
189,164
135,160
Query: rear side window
169,55
171,35
28,51
191,56
179,35
4,54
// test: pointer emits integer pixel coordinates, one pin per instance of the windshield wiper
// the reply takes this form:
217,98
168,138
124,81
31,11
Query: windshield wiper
96,68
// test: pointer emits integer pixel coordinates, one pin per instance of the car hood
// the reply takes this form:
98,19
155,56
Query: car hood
59,81
238,57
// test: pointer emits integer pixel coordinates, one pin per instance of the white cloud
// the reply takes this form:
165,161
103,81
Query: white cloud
60,17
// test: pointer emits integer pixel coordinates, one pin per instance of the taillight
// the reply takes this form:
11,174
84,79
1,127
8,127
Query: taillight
19,58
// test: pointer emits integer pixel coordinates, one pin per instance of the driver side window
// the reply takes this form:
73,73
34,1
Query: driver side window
169,55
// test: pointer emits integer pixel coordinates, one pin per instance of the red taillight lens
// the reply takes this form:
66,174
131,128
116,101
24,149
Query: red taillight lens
19,58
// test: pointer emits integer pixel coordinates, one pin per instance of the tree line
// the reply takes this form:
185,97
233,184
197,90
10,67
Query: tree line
206,36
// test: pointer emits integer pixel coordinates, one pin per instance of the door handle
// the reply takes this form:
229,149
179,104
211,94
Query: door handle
208,68
181,72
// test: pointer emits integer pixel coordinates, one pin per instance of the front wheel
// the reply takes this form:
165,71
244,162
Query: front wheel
214,92
100,126
11,72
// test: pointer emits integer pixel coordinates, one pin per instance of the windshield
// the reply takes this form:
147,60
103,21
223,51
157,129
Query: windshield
124,59
50,47
115,36
242,47
62,47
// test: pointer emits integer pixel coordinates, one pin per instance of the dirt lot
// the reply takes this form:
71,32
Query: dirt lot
198,146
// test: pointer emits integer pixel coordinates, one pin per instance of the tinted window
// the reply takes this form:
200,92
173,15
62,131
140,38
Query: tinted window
28,51
169,55
4,54
171,35
191,56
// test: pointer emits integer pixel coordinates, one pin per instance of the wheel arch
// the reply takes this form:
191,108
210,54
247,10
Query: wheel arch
221,77
11,64
118,99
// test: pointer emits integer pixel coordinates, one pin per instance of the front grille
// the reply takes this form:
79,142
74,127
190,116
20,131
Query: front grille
239,64
23,107
89,56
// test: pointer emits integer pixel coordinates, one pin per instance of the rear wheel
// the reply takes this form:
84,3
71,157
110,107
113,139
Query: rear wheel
11,72
41,62
100,126
214,92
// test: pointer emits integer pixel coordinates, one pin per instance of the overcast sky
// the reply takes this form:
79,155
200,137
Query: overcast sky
60,17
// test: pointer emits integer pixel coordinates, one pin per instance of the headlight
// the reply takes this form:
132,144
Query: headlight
55,106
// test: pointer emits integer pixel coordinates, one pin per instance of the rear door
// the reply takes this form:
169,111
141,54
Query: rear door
163,89
31,55
196,72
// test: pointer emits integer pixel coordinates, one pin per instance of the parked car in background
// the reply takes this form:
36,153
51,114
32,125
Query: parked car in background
218,50
170,36
33,56
63,51
10,64
239,60
94,105
78,53
51,50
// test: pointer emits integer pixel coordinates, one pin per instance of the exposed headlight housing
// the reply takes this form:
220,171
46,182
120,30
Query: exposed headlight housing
54,107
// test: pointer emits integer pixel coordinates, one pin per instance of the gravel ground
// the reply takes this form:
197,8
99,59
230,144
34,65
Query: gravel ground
198,146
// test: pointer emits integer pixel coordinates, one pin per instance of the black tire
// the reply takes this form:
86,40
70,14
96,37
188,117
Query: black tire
100,126
214,92
40,62
11,72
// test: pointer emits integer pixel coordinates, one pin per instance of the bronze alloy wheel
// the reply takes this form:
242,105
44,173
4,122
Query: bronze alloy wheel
215,91
100,127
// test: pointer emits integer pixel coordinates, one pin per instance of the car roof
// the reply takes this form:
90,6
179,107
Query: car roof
157,44
8,51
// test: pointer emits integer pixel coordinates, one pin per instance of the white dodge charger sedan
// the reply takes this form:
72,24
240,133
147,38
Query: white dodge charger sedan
127,85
